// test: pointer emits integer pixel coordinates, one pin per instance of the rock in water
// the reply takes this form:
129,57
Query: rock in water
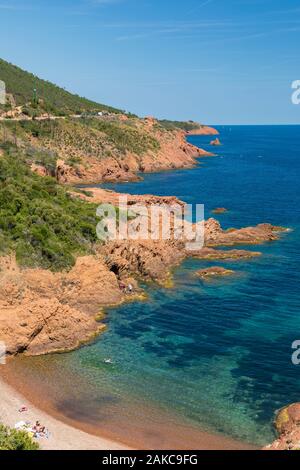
219,210
213,272
287,425
216,142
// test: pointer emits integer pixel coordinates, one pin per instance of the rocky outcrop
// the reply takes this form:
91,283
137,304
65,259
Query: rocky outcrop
228,255
216,142
214,271
95,170
173,152
204,130
261,233
45,326
103,196
42,312
150,260
287,425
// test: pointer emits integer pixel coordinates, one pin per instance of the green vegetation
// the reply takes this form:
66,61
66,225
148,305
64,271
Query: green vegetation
48,97
31,128
14,132
11,439
39,219
88,136
123,137
184,125
73,161
39,128
43,157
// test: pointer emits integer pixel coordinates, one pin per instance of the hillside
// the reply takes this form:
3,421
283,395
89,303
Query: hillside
95,150
53,99
66,142
55,274
39,221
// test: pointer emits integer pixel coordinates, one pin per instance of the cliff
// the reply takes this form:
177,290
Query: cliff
99,149
172,151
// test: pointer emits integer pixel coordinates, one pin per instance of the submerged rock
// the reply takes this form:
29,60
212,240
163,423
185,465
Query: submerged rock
219,210
213,272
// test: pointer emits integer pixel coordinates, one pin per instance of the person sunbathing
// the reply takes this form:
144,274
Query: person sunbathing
38,428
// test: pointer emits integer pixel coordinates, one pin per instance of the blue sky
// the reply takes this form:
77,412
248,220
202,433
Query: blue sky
216,61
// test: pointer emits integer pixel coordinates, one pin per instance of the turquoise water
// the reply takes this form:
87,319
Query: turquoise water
216,354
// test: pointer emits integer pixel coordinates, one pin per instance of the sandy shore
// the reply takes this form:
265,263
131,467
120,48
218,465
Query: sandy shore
66,435
62,436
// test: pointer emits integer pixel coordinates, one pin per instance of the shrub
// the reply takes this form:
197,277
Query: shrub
184,125
11,439
40,221
125,137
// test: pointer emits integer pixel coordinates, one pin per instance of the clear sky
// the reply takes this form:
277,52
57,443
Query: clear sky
216,61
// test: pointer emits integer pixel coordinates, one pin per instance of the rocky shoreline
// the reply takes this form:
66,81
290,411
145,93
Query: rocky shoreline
174,152
44,312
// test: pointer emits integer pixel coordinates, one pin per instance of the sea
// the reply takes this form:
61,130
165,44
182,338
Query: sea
211,355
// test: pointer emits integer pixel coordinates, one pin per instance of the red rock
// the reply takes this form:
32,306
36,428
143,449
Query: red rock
215,142
287,425
204,130
219,210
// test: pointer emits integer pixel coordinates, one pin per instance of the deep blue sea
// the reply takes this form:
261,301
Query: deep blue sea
216,354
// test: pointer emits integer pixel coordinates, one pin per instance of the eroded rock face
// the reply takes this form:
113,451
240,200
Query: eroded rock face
148,259
244,236
43,312
174,152
287,425
45,325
